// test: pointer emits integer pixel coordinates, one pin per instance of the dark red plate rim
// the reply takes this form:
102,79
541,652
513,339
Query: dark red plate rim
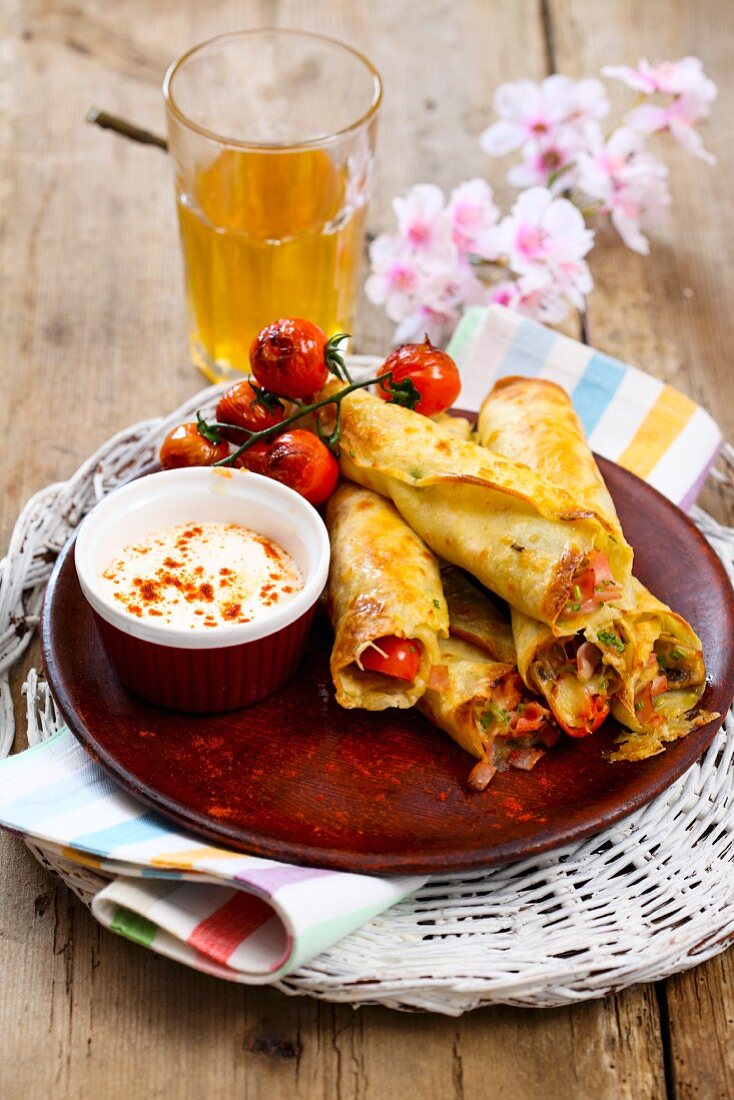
295,778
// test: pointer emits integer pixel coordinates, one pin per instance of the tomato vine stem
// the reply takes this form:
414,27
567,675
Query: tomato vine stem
404,393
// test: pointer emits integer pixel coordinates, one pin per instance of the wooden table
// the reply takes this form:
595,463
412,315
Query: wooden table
94,338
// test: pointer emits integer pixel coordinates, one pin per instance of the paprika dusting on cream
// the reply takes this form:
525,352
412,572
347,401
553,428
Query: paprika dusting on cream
202,575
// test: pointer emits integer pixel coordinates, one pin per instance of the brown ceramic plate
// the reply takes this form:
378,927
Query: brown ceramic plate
297,778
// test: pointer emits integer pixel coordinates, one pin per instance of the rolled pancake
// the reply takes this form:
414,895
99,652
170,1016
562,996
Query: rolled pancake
383,582
484,706
518,534
534,420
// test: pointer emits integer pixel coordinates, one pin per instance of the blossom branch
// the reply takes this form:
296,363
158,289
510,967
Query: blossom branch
448,254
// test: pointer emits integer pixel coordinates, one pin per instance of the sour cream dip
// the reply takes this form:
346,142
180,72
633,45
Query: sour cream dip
199,576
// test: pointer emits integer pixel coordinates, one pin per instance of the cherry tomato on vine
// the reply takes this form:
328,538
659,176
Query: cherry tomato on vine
290,357
186,446
255,458
244,405
299,459
402,657
433,373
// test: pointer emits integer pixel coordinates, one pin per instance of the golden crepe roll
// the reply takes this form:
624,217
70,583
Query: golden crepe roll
609,662
475,509
533,421
385,601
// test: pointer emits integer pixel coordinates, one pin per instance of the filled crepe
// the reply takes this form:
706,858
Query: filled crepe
386,603
482,703
475,693
520,536
659,696
577,671
620,659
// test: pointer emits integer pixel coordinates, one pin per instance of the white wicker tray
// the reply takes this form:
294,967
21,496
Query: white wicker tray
646,899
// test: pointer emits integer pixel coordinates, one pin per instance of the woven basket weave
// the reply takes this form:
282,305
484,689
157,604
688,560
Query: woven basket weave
643,900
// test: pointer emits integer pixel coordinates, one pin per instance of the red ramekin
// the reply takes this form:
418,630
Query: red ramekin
224,667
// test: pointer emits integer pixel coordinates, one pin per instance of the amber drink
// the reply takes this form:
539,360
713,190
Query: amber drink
272,136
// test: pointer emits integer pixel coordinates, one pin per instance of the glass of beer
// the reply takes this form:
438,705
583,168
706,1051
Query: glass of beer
272,136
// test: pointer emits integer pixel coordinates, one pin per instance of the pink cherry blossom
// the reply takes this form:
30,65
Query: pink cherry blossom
551,162
437,311
426,321
422,220
423,280
588,102
532,297
534,113
668,77
527,111
543,234
473,214
679,117
628,182
395,281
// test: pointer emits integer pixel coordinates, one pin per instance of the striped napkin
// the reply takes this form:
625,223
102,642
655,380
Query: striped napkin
254,920
227,914
630,417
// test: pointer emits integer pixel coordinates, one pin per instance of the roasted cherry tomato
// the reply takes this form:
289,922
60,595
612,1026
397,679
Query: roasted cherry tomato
402,657
597,711
433,373
186,446
255,458
300,460
289,357
243,405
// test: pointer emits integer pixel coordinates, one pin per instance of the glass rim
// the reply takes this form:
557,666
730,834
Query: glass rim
272,146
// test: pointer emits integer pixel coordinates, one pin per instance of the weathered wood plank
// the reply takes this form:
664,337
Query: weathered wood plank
700,1007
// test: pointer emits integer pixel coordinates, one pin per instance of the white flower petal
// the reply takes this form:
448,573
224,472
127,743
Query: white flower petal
517,100
631,77
648,118
630,232
532,204
691,141
501,138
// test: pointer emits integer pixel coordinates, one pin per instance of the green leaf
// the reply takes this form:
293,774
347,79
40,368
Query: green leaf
268,400
335,358
210,433
403,393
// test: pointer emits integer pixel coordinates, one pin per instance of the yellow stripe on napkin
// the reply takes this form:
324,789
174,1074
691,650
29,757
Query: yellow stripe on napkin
661,427
84,859
187,859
